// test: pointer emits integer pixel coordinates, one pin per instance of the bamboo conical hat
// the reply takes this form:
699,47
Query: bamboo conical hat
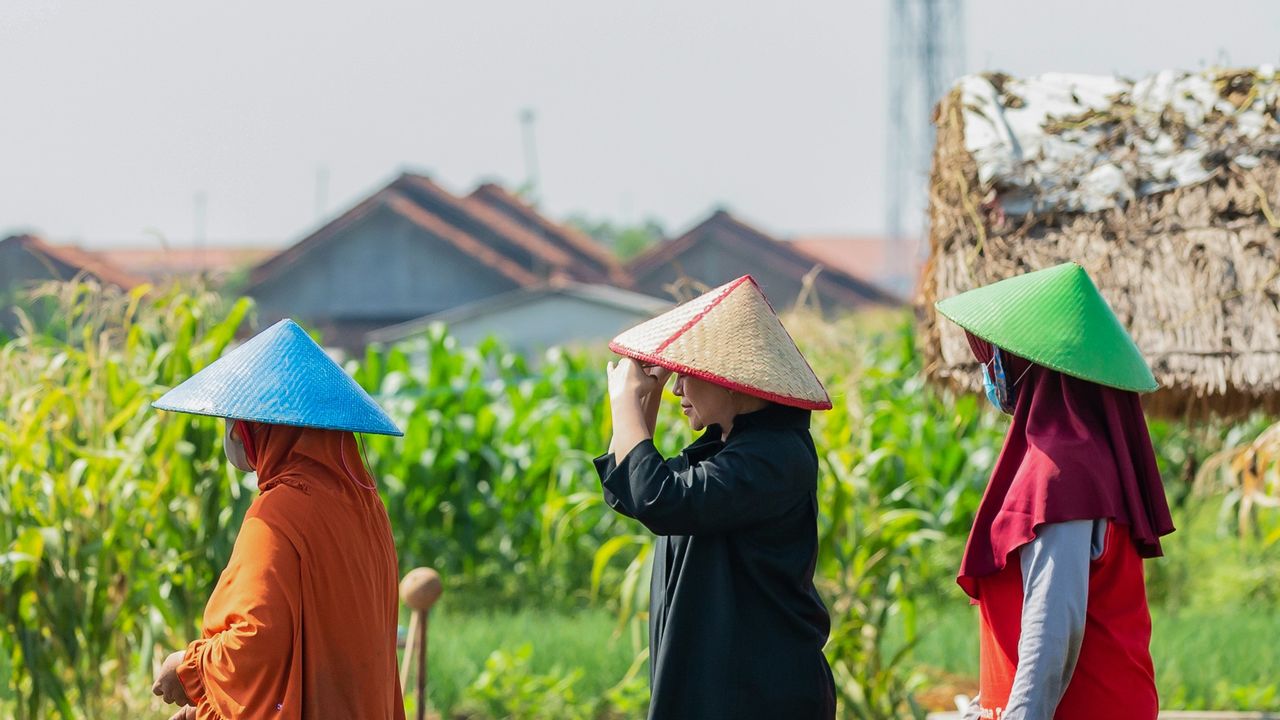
1057,318
731,337
282,377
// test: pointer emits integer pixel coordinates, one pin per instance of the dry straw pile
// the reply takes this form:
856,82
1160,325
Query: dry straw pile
1167,190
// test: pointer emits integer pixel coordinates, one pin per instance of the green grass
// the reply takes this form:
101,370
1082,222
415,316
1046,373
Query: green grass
1224,659
459,643
1215,606
1205,659
1212,659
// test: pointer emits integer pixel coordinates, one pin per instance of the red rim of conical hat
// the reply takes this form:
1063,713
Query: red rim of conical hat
732,337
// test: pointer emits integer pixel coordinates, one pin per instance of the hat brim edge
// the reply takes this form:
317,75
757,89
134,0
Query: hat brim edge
276,421
722,381
1040,360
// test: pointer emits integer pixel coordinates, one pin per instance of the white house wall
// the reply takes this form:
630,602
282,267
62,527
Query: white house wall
384,267
547,322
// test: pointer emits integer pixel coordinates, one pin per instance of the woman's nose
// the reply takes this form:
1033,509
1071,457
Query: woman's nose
678,388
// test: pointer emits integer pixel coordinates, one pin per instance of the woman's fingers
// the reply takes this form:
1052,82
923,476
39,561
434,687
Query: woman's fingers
627,377
636,375
657,371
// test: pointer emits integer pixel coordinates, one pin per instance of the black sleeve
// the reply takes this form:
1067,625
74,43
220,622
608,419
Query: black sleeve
739,486
605,465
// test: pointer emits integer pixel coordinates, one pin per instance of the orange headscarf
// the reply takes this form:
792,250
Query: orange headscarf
302,623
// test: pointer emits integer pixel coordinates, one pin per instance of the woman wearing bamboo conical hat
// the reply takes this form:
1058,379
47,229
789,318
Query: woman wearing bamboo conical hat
736,628
302,622
1054,560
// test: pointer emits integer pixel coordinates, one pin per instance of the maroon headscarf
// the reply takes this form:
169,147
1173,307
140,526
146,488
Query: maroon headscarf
1076,450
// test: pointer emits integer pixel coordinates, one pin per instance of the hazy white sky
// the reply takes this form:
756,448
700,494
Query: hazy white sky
115,115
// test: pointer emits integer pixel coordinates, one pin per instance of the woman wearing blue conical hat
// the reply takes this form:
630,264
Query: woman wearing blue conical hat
302,623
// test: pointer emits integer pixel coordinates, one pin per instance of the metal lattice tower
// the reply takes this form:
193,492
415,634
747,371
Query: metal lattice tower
926,55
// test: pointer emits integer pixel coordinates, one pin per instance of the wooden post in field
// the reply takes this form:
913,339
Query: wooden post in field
419,590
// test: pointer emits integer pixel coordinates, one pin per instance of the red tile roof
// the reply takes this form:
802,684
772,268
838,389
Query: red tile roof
163,263
75,261
463,241
869,258
782,256
521,245
595,255
486,222
397,202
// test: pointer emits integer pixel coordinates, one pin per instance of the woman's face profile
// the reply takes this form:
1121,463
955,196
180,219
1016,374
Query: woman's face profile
704,403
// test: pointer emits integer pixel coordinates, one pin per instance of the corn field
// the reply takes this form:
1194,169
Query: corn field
115,519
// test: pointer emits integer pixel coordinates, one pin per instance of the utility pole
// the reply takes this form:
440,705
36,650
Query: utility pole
530,156
926,55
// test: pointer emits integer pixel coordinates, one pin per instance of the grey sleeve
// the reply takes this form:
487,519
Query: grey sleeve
1055,587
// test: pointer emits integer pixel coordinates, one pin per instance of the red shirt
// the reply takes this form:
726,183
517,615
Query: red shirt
1114,678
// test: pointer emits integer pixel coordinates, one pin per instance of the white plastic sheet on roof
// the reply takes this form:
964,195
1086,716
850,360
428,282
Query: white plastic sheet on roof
1029,144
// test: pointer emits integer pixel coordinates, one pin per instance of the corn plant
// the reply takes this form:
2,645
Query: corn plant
1246,475
114,519
492,483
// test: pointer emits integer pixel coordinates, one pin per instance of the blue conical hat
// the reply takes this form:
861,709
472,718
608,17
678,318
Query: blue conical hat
281,377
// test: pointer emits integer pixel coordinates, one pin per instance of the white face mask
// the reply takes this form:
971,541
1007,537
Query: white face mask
234,449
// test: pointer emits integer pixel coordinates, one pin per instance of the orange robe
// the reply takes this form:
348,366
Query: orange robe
302,623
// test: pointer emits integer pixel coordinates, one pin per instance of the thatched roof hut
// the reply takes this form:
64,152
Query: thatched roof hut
1167,190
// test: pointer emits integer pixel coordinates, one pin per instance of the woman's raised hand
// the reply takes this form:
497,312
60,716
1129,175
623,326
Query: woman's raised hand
659,374
654,399
634,394
631,383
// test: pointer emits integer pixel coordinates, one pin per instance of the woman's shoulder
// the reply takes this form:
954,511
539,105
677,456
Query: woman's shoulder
280,506
764,435
786,452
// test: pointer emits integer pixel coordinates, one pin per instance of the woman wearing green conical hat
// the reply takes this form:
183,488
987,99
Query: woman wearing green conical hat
1074,504
302,622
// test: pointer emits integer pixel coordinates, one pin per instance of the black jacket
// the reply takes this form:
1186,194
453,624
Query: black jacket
736,627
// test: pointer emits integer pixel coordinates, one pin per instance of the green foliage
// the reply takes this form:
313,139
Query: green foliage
461,641
626,241
115,520
630,697
507,689
492,483
1208,658
902,471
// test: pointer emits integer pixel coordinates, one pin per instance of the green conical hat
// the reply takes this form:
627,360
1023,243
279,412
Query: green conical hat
1057,318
